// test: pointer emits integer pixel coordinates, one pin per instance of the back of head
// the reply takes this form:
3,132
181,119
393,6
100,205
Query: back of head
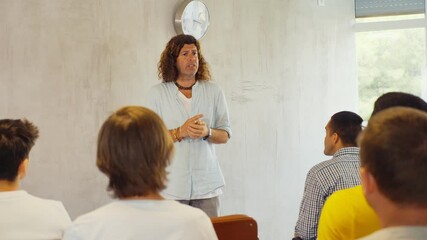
393,148
17,137
396,99
134,149
347,125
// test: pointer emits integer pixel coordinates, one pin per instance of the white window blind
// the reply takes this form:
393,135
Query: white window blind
376,8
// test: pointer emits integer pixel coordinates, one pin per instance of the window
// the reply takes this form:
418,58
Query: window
391,56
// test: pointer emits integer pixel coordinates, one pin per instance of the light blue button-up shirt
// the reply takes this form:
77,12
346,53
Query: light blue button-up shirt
194,170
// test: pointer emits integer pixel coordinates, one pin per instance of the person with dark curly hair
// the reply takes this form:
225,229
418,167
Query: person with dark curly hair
196,114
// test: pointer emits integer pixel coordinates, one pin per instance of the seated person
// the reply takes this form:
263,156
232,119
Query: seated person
359,219
24,216
347,215
134,149
393,153
340,172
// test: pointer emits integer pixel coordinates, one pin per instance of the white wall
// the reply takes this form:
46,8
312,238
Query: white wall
285,66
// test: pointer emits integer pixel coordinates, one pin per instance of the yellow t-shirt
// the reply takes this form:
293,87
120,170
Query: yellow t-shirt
347,215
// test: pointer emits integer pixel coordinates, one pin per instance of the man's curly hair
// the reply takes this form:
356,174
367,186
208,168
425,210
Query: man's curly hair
167,69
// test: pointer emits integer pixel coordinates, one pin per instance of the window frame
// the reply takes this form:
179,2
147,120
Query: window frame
400,24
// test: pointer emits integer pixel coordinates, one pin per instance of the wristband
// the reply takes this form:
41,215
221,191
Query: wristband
209,134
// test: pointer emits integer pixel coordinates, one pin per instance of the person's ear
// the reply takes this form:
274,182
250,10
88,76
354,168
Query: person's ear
335,137
22,169
369,184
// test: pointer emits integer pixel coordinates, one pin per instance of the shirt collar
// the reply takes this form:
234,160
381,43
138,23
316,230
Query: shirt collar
11,194
346,150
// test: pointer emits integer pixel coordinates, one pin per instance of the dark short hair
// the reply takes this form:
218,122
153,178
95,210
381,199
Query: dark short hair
347,125
134,149
393,148
395,99
167,69
17,137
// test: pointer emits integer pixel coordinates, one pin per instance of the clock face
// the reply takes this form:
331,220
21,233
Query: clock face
194,19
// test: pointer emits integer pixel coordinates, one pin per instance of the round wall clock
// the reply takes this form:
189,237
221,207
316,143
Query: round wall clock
192,18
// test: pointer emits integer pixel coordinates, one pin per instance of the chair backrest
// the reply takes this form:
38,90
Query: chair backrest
235,227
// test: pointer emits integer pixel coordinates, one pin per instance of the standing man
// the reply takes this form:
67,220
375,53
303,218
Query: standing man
393,152
24,216
340,172
196,113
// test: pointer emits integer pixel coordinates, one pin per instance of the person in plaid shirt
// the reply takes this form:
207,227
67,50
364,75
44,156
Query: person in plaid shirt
340,172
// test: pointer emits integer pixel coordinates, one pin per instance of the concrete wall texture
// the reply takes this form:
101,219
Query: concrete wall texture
285,65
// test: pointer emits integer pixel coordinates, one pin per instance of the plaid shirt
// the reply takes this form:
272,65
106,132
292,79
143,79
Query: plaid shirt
341,172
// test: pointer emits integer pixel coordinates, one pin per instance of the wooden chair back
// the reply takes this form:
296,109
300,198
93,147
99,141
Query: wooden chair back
235,227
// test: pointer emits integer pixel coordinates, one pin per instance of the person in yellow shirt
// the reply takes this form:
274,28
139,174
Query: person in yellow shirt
347,215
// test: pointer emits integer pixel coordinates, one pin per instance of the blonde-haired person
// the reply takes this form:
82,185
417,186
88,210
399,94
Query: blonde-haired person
134,149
